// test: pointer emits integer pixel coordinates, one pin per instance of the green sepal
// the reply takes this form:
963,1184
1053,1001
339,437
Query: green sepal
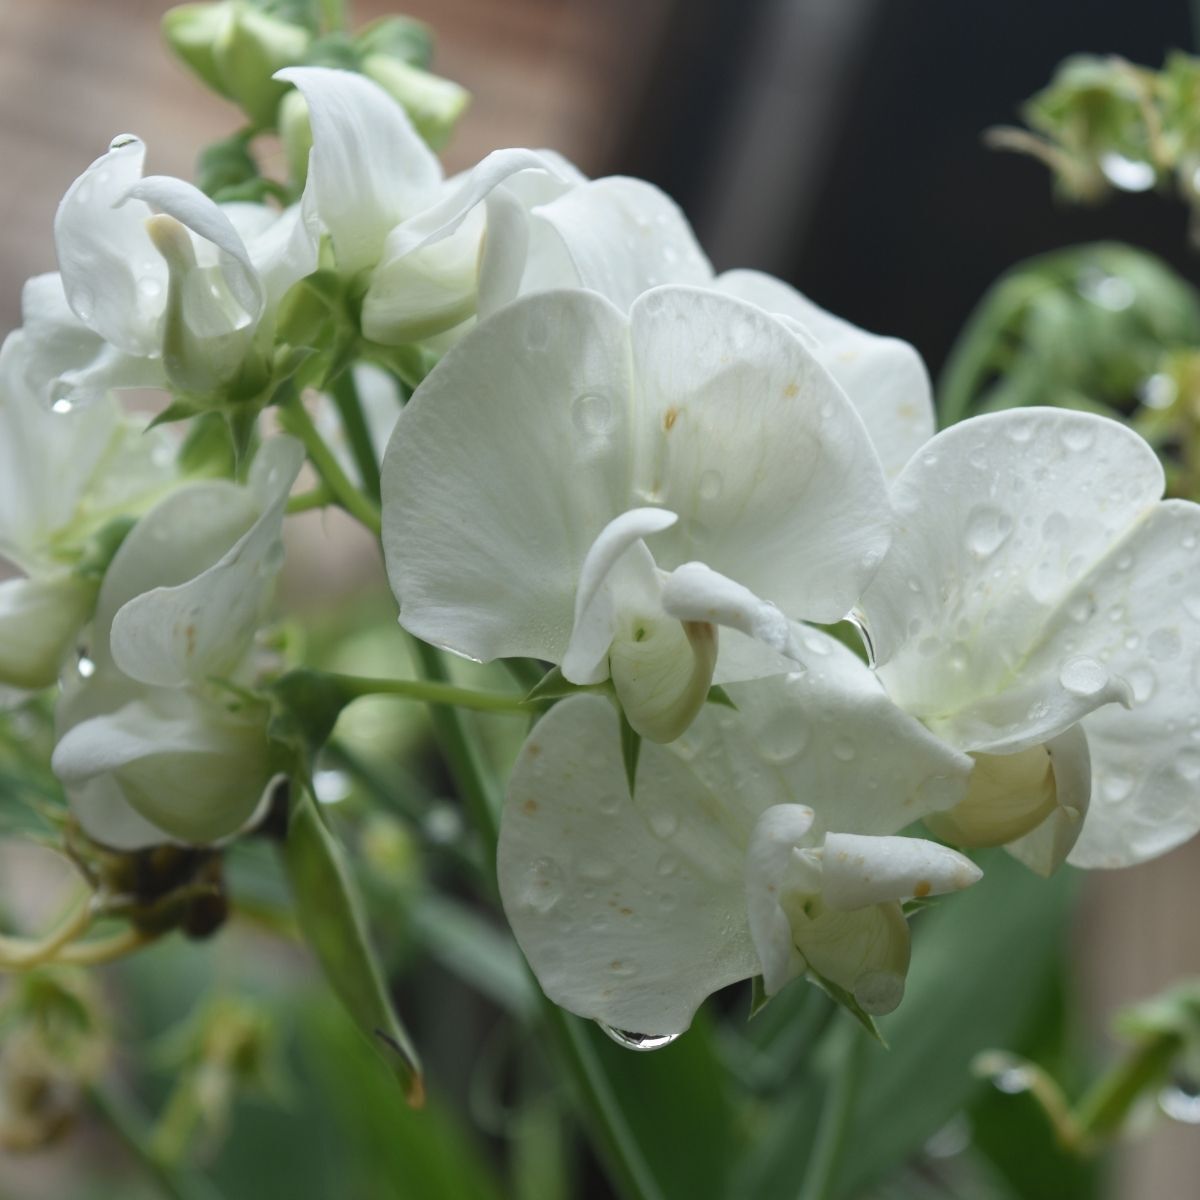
718,695
555,686
191,30
398,37
839,994
305,706
758,997
226,164
433,104
180,409
333,50
207,451
330,914
102,546
631,750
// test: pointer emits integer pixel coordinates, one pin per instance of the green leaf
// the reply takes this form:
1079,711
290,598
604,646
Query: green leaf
397,37
305,706
839,995
330,915
555,686
226,164
718,695
758,997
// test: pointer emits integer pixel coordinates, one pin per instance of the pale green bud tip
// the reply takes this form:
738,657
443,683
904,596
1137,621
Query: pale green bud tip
172,241
434,104
662,670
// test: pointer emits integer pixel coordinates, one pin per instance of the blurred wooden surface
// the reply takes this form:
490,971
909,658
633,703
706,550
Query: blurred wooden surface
73,73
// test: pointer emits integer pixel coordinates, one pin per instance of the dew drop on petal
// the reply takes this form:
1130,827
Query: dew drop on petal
1143,681
85,665
1116,786
843,750
1163,644
664,824
62,406
638,1041
543,885
987,530
1077,437
667,865
592,414
784,737
1082,676
710,485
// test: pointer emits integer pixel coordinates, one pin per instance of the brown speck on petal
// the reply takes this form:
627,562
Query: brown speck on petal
923,888
530,806
669,419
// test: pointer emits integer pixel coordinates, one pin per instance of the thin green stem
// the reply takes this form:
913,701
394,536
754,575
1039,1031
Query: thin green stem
295,419
433,691
820,1177
335,15
1102,1112
318,497
345,396
602,1110
130,1127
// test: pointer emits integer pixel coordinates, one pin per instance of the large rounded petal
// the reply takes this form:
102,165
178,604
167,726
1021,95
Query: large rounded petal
630,912
1002,522
369,167
883,376
745,435
502,470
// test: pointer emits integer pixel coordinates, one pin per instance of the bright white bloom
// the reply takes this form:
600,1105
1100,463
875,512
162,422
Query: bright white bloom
381,195
152,746
621,237
603,490
762,842
161,272
63,476
1039,608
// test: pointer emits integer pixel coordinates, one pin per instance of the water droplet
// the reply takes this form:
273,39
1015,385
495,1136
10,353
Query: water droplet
1078,435
331,787
843,750
1143,681
1159,391
987,530
784,737
1081,608
667,865
1127,174
1082,676
150,288
62,406
83,303
1020,431
1163,644
85,665
959,657
543,885
670,255
1013,1080
1116,786
592,414
1055,527
663,824
638,1041
1187,763
1181,1101
598,869
859,621
1124,562
711,483
122,140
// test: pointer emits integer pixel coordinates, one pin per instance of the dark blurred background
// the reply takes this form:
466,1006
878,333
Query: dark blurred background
835,143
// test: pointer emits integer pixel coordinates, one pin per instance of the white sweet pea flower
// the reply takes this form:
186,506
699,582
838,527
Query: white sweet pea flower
153,745
1038,609
602,491
389,211
162,273
63,476
762,842
621,237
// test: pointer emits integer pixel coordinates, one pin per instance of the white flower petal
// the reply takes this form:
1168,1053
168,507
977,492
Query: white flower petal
40,620
858,870
618,550
114,280
201,628
619,237
107,817
1002,519
630,912
884,377
369,168
693,592
1044,849
503,469
188,766
747,437
285,250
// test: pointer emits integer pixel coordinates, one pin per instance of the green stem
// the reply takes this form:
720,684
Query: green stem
601,1108
334,15
319,497
130,1127
433,691
1102,1112
345,396
295,419
820,1177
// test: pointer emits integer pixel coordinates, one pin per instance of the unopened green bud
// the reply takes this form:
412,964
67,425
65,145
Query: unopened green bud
295,131
434,104
40,620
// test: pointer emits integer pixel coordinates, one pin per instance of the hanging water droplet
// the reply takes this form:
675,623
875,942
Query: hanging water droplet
1181,1101
638,1041
859,621
85,665
122,140
62,406
1082,676
987,530
1128,174
331,787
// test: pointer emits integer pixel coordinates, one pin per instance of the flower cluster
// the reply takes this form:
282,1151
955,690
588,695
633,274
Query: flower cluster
787,623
